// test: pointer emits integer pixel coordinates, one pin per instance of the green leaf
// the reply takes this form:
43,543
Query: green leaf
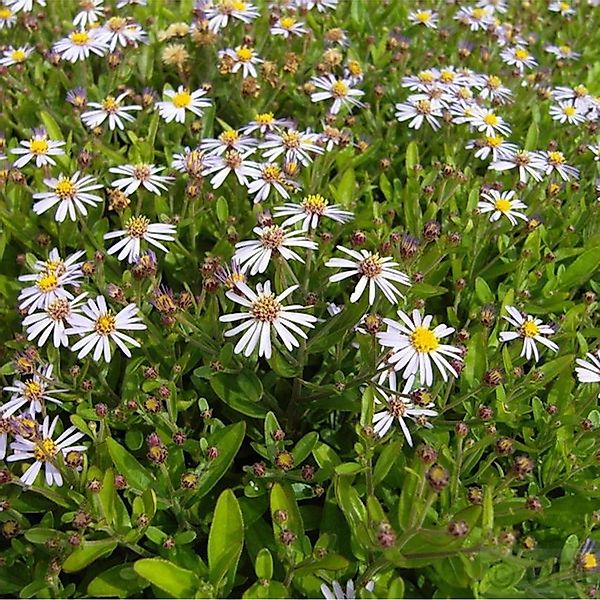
483,291
581,269
263,565
222,209
138,477
168,577
568,553
273,589
329,334
386,461
87,553
107,496
241,391
282,499
225,542
501,576
120,581
304,447
412,157
346,188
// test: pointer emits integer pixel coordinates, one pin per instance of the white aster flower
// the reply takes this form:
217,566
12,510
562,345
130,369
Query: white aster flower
488,122
38,147
310,211
568,112
373,270
23,5
336,592
500,6
265,314
554,161
295,146
267,176
15,56
415,347
231,162
266,122
89,13
229,139
418,111
493,145
142,174
138,229
79,44
519,57
493,90
563,52
588,371
52,321
287,27
180,101
7,17
98,326
564,8
110,108
48,287
531,330
123,32
35,390
190,161
529,164
429,18
45,450
124,3
477,18
502,204
70,193
68,268
255,255
220,13
244,58
339,90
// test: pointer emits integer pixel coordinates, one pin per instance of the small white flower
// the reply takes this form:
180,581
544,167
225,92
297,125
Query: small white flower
295,146
310,211
110,108
69,269
429,18
190,161
255,255
15,56
588,371
418,111
267,176
179,102
23,5
52,321
70,193
373,270
229,140
501,204
555,161
37,389
519,57
531,330
124,33
219,13
477,19
493,90
266,122
287,27
7,17
564,8
138,229
339,90
89,13
244,58
40,148
563,52
488,122
144,175
416,346
265,313
493,145
231,162
48,287
529,164
79,44
337,592
567,112
44,450
98,326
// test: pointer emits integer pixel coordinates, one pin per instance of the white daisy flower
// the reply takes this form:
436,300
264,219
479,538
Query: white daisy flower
98,326
399,406
15,56
493,90
69,269
52,321
180,101
429,18
295,146
190,161
501,204
555,161
519,57
124,3
48,287
488,122
35,390
265,314
529,164
568,112
564,8
124,33
588,371
419,111
377,272
89,13
339,90
310,211
579,94
219,13
267,176
531,330
287,27
337,592
255,255
563,52
229,139
266,122
23,5
142,174
477,18
138,229
7,17
231,162
415,346
44,450
493,145
110,108
79,44
70,193
500,6
38,147
244,58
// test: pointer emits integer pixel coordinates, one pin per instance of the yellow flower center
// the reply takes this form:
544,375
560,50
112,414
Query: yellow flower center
494,141
565,49
521,54
424,106
18,55
371,266
33,390
265,118
80,38
105,324
272,237
502,205
423,340
55,266
397,407
291,139
238,5
109,104
229,137
314,204
355,68
244,54
182,99
564,6
494,81
271,173
116,23
47,283
58,309
45,450
426,76
479,13
556,158
447,76
569,111
137,227
529,329
65,189
589,561
265,308
38,146
490,119
5,13
339,89
287,22
423,16
580,90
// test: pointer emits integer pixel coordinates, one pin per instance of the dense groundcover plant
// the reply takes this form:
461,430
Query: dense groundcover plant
299,298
